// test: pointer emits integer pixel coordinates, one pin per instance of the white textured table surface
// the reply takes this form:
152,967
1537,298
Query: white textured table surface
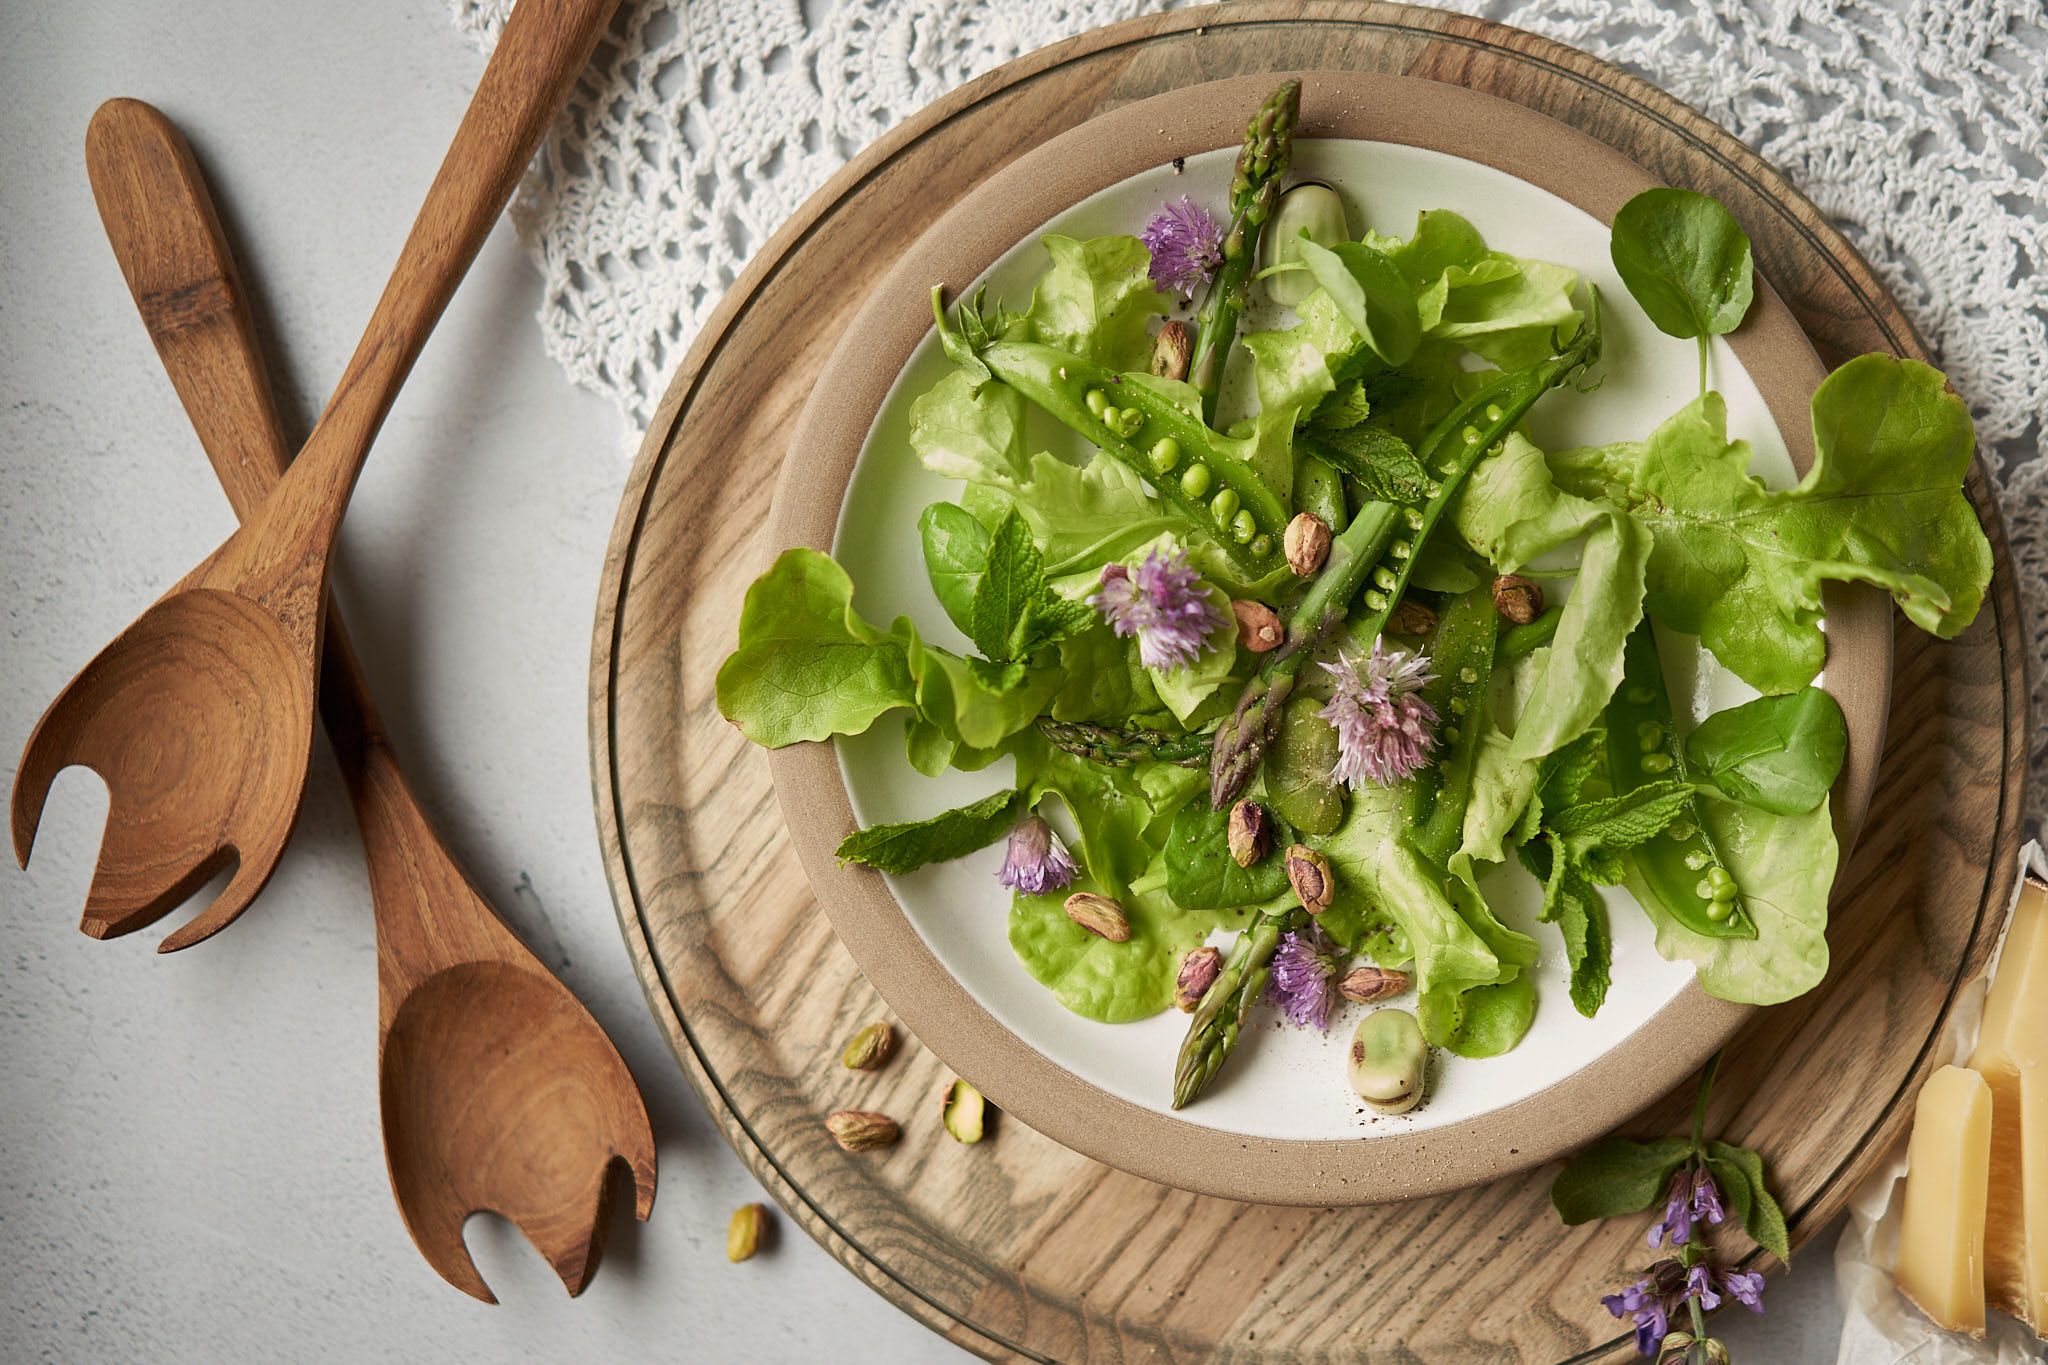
190,1160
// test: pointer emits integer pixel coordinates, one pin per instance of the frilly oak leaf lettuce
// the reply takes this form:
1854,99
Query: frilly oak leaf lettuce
1742,567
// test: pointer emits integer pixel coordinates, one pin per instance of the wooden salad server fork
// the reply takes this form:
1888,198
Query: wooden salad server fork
499,1090
199,716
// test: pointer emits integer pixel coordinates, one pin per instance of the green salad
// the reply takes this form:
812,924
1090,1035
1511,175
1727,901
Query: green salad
1295,679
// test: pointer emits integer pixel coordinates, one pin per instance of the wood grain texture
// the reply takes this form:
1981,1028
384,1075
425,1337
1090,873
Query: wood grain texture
1016,1248
199,716
499,1090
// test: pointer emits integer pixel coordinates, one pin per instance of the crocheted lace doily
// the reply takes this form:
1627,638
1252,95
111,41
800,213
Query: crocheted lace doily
1917,126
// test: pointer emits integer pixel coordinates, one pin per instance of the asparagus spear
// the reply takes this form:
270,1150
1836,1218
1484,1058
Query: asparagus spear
1120,748
1227,1004
1268,147
1449,452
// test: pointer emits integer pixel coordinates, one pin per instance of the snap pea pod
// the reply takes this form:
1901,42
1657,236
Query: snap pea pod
1167,446
1520,641
1461,653
1320,489
1681,868
1254,188
1449,452
1227,1004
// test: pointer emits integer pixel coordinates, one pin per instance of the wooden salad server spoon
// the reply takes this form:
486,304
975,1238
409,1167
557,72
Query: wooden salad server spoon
199,716
499,1090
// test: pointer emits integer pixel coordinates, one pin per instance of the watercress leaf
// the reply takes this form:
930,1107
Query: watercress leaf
955,556
1113,983
1480,1021
1779,754
1764,1220
1742,567
1616,1176
1382,462
927,745
1785,866
1103,680
807,665
1370,293
1627,820
951,834
1097,300
1685,260
1201,874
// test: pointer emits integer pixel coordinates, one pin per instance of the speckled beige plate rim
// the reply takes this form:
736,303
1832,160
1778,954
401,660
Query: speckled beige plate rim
1173,1149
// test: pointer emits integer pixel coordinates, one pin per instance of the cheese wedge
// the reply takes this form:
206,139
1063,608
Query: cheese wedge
1941,1234
2012,1056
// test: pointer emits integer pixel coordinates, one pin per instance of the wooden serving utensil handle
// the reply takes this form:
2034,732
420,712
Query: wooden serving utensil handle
542,51
175,258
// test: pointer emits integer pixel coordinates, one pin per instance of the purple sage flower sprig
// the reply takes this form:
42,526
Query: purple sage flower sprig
1700,1182
1186,246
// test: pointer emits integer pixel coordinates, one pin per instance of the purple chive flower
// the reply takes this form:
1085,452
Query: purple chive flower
1304,980
1162,602
1706,1197
1186,246
1676,1223
1383,726
1037,862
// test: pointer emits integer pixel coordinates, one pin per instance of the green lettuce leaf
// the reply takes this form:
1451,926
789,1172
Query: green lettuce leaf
959,431
807,665
1742,567
1114,983
1097,300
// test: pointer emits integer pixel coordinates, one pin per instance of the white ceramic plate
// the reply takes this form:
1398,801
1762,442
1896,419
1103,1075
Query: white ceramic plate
1284,1082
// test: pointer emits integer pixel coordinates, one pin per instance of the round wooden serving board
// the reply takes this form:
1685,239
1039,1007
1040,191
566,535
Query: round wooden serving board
1017,1248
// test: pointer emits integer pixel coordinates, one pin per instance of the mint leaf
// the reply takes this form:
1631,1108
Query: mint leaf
952,834
1008,586
1763,1220
1779,754
1616,1176
1381,461
807,665
1623,821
